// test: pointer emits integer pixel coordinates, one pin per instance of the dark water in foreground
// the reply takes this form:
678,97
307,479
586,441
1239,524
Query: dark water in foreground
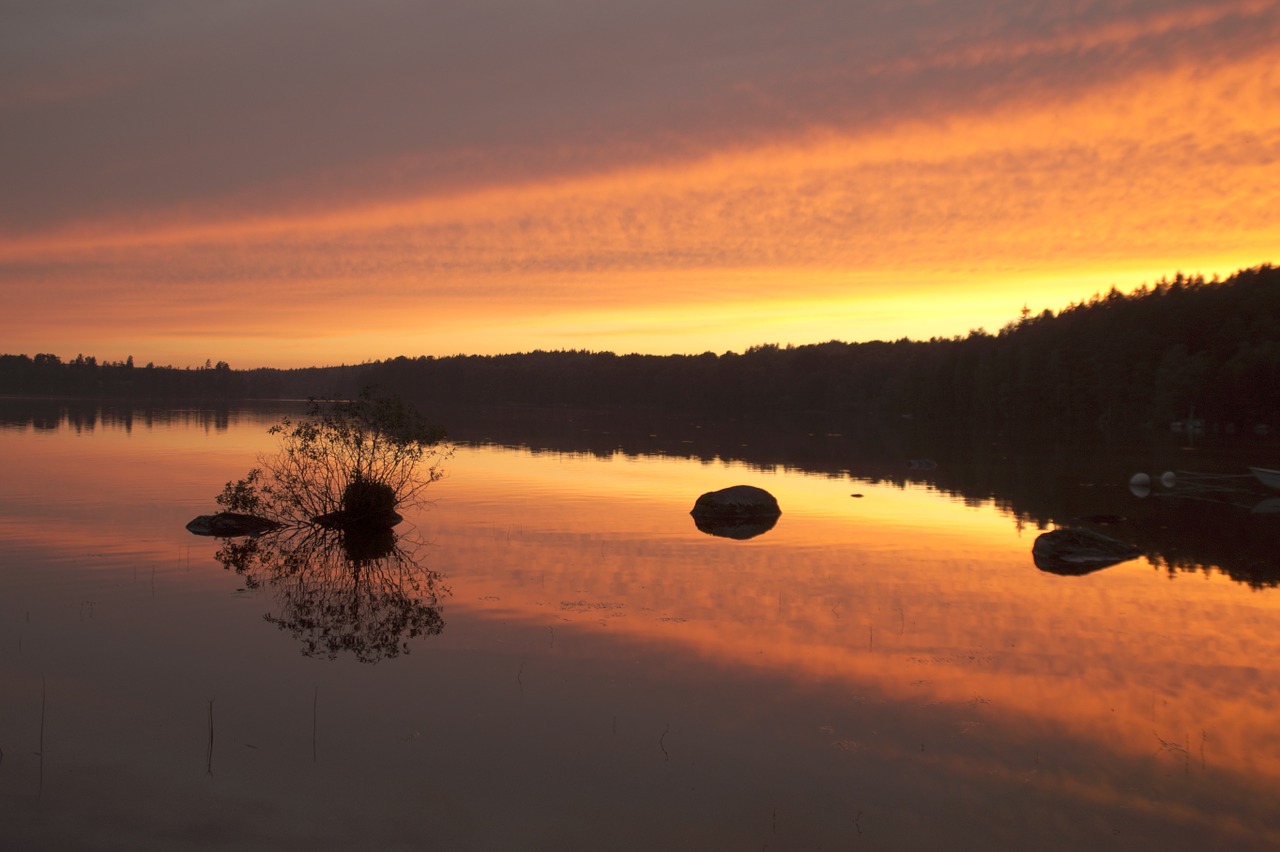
552,656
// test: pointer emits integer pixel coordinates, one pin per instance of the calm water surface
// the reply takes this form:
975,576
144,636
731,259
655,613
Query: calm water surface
551,656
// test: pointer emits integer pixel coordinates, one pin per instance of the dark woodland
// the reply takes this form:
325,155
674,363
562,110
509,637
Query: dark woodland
1182,348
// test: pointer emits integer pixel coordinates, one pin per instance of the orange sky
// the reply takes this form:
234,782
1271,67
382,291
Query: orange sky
287,186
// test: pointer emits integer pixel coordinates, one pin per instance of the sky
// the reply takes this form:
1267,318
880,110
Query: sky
298,182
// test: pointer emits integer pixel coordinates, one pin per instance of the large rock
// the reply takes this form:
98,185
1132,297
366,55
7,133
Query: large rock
231,524
740,511
742,501
1079,551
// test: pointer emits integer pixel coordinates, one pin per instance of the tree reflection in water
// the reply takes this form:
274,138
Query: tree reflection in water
362,592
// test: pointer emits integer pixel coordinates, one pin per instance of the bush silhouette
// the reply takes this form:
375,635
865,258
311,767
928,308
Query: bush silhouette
364,499
355,459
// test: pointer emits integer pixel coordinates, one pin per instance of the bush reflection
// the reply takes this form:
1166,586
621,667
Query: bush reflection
363,593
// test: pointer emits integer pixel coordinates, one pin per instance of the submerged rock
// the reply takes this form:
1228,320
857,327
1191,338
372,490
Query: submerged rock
1079,551
231,524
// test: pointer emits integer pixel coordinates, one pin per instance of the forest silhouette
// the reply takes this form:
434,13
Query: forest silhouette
1181,348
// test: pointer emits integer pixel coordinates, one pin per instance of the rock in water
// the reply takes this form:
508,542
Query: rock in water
231,524
1079,551
737,501
740,511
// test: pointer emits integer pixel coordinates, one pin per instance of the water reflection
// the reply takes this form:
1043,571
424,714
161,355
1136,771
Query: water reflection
890,670
904,599
359,592
84,416
1039,484
741,530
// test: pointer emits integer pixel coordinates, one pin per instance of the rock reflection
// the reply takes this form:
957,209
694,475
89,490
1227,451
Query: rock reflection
358,592
740,530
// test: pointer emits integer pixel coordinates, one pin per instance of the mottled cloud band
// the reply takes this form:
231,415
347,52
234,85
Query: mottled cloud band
554,162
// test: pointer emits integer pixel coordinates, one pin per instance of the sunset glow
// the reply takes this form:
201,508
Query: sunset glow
226,184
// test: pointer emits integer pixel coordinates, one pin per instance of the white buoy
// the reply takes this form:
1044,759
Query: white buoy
1140,485
1168,479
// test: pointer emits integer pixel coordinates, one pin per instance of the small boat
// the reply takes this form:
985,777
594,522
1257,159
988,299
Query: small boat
1269,478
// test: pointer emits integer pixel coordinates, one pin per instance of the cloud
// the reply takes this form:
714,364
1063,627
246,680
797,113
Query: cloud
1033,183
257,165
215,109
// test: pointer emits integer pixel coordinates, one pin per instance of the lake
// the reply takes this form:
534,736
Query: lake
550,655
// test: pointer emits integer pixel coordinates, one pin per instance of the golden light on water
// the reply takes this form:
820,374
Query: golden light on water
901,595
901,641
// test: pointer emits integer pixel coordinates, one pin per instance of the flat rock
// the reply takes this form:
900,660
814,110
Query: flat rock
231,524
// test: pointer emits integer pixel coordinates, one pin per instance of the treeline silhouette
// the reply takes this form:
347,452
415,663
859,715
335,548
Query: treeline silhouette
1178,349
